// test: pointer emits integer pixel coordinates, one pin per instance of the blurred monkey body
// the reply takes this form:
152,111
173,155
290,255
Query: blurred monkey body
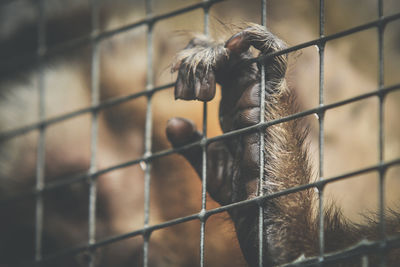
290,221
67,82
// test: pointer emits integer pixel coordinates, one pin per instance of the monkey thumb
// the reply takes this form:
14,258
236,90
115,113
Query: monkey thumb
181,131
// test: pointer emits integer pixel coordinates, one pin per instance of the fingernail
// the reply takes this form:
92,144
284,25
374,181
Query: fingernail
197,88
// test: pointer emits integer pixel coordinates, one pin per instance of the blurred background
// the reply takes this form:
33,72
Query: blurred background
351,69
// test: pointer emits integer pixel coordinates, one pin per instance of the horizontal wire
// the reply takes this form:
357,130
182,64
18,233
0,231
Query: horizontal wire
81,176
207,213
11,133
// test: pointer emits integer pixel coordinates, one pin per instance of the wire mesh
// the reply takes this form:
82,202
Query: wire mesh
383,244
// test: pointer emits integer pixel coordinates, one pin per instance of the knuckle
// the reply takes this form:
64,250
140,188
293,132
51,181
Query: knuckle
247,117
250,97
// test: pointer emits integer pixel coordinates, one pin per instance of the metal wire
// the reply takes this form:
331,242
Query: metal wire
95,96
41,143
321,117
361,249
148,134
203,218
381,188
261,147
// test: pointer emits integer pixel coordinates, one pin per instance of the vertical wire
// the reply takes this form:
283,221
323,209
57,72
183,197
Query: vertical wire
261,151
204,160
148,133
94,72
41,149
364,261
321,116
382,225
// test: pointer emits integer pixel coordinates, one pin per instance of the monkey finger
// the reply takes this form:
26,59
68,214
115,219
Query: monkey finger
250,98
205,87
250,156
220,172
266,42
183,90
248,107
246,117
219,164
181,132
238,43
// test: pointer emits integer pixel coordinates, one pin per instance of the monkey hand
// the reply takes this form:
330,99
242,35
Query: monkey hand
233,163
289,229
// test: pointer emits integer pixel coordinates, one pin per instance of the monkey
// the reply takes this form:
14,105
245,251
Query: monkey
120,193
290,227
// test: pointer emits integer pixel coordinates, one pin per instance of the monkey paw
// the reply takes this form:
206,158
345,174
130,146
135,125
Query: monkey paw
233,163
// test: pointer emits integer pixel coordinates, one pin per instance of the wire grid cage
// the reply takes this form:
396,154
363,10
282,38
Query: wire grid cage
383,244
